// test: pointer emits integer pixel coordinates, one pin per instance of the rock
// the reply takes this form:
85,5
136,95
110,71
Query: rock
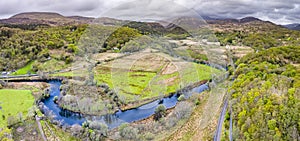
20,129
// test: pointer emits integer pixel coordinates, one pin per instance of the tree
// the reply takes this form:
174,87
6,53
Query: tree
55,99
76,130
183,110
181,98
160,112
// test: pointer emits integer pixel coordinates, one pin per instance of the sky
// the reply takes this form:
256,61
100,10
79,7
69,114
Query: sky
277,11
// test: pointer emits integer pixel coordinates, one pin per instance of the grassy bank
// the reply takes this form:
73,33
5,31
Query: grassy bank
25,70
14,103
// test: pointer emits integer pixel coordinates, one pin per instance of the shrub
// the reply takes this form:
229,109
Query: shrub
183,110
197,102
149,136
160,112
97,125
128,132
181,98
55,99
72,48
76,130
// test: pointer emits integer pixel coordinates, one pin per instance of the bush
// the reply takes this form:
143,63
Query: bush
181,98
55,99
32,111
76,130
183,110
149,136
128,132
45,95
85,124
197,101
97,125
160,112
72,48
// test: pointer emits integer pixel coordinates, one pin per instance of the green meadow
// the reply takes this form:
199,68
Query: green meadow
25,69
13,103
147,84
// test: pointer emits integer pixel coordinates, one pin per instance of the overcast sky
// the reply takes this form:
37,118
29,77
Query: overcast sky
277,11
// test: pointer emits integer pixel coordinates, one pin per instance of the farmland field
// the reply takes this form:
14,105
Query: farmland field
14,103
145,75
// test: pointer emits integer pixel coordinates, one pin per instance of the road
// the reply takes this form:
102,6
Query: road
230,126
18,76
218,134
33,75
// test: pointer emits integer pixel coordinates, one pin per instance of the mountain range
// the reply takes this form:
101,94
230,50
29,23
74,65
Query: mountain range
295,26
55,19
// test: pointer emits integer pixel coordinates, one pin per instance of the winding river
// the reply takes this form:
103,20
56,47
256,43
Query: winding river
111,120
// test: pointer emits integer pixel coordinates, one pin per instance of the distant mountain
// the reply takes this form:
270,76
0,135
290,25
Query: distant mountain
45,18
55,19
230,20
249,19
37,15
81,18
294,26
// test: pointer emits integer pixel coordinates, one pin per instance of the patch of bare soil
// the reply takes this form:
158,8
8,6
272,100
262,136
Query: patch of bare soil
169,69
35,87
150,62
17,85
27,131
170,81
106,56
58,52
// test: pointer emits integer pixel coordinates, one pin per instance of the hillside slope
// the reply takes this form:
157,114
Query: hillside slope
48,18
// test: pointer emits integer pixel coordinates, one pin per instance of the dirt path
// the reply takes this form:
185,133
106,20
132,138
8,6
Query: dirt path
40,128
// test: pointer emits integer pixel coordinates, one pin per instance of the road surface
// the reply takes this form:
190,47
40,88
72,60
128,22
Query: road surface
218,134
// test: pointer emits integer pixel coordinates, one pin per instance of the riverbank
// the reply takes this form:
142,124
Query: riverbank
136,104
202,123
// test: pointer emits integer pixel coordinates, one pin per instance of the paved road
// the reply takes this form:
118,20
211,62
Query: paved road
18,76
230,126
218,134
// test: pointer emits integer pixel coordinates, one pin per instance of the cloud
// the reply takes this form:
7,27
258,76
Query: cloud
277,11
274,10
149,10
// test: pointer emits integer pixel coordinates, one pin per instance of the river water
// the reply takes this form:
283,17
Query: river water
111,120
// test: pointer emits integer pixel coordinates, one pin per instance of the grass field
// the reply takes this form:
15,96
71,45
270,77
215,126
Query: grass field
13,102
63,74
25,69
147,76
53,65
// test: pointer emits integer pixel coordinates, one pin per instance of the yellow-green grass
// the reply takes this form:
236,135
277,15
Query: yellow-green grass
13,102
25,69
148,84
64,74
53,65
80,72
